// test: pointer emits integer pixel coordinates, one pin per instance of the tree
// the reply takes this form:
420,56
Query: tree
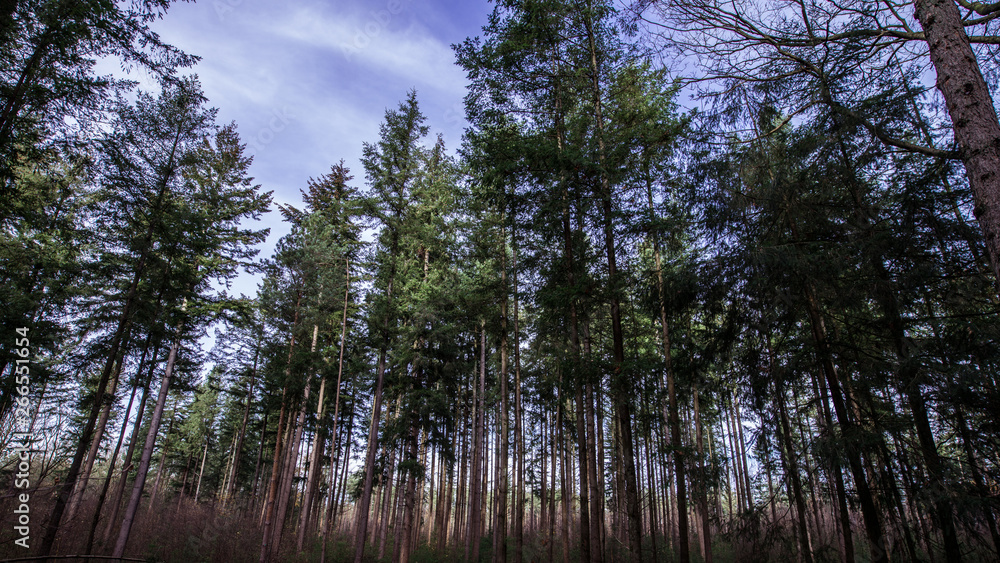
219,195
391,168
817,53
47,53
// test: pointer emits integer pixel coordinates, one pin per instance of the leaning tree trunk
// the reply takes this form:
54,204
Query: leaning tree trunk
147,450
970,105
52,526
114,455
95,445
116,499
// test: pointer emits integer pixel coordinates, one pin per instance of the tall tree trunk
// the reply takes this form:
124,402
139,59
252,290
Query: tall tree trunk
147,450
519,452
650,484
869,512
315,461
564,477
843,512
620,381
279,446
102,422
475,505
230,490
461,503
336,399
291,465
405,545
552,488
114,456
500,531
706,530
974,120
670,417
364,503
388,507
130,451
596,498
52,526
792,468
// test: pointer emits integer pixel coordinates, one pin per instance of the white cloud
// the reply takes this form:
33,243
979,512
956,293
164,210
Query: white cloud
376,41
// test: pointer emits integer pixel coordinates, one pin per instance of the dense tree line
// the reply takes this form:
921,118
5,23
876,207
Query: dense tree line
604,328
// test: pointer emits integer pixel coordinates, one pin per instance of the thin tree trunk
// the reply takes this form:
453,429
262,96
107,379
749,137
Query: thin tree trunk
230,490
670,417
650,486
620,385
147,450
133,440
475,506
564,476
201,472
519,453
843,512
52,526
279,445
706,530
114,456
336,400
364,503
503,445
792,471
319,440
869,511
88,467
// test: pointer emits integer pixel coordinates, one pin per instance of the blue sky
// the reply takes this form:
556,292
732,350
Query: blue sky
307,82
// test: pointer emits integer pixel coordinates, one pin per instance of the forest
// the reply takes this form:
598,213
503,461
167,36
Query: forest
705,281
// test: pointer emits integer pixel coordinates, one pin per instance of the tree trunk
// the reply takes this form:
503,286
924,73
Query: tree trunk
974,119
336,400
133,440
279,445
95,445
315,460
234,470
364,503
114,456
500,531
52,526
869,512
706,530
620,382
147,450
564,477
518,425
475,505
201,472
792,471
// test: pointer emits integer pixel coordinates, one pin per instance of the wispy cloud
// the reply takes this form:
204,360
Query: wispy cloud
378,41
